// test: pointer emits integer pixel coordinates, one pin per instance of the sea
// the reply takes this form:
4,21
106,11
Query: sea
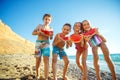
102,63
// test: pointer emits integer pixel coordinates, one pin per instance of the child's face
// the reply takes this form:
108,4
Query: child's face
65,29
77,27
47,20
86,25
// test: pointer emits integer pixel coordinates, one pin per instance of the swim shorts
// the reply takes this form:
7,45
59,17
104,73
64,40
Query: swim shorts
42,48
59,51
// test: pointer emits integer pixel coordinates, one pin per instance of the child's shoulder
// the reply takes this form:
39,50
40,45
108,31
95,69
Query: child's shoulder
57,34
40,25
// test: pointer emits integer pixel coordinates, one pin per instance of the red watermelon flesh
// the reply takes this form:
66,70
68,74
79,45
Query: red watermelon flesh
76,38
47,32
64,38
90,32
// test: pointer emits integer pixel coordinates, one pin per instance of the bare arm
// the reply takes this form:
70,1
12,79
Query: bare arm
35,32
101,36
51,35
68,43
56,40
38,32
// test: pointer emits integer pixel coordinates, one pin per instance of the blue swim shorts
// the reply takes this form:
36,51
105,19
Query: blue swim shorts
42,48
59,51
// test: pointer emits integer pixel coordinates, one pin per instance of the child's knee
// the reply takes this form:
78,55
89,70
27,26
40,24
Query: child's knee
107,59
46,61
84,62
77,62
54,60
67,62
96,61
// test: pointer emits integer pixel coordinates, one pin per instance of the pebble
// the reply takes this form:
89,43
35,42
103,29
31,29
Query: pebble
22,67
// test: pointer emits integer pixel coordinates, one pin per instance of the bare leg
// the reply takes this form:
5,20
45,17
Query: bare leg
46,67
108,60
95,56
78,54
66,62
54,61
38,61
84,57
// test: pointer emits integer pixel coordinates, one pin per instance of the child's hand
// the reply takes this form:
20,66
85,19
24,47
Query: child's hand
97,32
59,40
87,38
51,35
38,32
68,43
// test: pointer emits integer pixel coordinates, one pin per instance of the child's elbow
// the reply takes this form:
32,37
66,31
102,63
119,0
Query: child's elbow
33,33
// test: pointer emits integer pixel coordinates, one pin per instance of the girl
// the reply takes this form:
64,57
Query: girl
81,48
86,27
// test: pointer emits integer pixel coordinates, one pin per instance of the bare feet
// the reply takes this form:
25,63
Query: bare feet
65,78
84,78
37,77
55,79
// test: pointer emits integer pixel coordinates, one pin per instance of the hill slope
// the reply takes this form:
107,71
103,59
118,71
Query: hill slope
10,42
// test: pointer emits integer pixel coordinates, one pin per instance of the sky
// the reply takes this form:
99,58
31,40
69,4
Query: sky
23,16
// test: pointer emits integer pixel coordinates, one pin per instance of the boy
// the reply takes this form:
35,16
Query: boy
58,45
42,44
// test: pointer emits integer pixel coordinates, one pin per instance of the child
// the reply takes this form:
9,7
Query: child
102,45
42,44
58,45
81,48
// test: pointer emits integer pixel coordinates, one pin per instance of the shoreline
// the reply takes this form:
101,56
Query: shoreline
22,67
102,63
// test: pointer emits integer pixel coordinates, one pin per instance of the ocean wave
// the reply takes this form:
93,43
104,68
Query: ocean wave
103,65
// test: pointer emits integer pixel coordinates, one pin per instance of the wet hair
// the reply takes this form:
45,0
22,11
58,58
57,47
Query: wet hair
67,24
46,15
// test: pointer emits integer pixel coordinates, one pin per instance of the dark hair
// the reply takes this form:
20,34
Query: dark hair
67,24
77,22
81,28
48,15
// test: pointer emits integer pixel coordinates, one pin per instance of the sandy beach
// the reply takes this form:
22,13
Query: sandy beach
22,67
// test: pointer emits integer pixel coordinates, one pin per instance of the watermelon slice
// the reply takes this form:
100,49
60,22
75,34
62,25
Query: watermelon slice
76,38
62,37
90,32
47,32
